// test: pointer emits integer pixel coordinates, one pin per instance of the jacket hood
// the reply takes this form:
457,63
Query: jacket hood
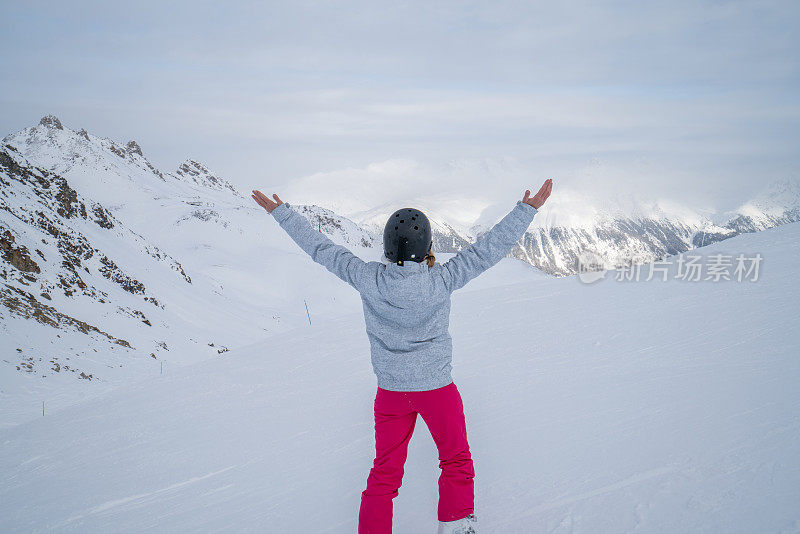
405,286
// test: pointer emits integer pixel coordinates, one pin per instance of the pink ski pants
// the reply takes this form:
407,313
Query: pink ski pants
395,418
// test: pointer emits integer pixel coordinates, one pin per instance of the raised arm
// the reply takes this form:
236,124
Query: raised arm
496,244
336,258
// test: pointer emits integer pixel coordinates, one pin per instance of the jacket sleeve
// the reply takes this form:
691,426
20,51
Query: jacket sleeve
493,247
336,258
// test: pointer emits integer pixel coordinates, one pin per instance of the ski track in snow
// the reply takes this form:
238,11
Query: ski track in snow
635,479
139,499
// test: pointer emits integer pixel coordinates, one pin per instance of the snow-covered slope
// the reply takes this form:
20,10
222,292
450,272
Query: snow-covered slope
659,407
111,268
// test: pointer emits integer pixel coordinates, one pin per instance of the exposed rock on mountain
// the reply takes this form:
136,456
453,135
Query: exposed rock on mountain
200,175
41,212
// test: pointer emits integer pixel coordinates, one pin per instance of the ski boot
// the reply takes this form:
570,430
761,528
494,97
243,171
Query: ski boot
465,525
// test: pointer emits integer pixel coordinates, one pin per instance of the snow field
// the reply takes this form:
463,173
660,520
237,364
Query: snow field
611,407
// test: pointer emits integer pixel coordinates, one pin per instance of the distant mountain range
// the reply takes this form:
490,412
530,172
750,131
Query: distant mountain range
571,226
554,242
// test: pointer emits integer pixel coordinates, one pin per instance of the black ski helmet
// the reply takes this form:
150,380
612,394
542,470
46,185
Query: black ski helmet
407,236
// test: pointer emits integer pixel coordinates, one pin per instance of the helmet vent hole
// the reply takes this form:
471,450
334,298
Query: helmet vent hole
401,220
416,228
397,215
395,228
413,218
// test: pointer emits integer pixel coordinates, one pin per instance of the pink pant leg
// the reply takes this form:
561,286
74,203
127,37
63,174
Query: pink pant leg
443,412
394,425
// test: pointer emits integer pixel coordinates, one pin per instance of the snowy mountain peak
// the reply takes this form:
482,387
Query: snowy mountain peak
781,195
134,148
51,121
199,174
778,203
106,168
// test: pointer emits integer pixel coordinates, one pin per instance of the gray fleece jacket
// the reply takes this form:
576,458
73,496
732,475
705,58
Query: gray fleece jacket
407,307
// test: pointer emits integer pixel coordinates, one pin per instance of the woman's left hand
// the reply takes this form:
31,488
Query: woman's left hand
539,198
265,202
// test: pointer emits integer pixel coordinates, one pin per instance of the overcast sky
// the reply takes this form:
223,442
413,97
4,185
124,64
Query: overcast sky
692,101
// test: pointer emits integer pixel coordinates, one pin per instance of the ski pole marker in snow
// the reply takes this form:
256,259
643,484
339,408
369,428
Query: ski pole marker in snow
309,315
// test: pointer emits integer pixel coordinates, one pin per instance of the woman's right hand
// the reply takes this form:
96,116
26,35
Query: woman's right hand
265,202
539,198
